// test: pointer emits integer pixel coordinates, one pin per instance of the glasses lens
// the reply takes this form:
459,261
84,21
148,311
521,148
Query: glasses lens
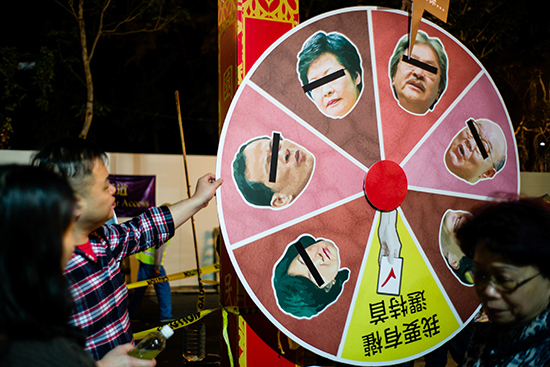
482,280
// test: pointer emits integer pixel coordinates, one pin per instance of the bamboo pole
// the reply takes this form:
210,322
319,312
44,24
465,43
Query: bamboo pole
201,300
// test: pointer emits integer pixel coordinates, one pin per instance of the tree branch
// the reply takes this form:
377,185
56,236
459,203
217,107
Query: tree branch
100,29
69,9
70,67
131,16
145,30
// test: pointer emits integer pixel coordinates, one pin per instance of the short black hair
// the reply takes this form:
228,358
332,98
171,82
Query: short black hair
72,158
333,43
255,193
36,208
517,229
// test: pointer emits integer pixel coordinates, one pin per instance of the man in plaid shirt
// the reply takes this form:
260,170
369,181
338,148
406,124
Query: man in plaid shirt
100,294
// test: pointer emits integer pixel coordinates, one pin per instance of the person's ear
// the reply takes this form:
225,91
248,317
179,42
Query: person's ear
279,200
358,78
78,207
489,173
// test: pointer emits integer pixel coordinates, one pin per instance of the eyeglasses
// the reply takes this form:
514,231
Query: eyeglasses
486,144
481,280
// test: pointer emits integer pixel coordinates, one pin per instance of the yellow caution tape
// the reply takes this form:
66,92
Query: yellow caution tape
226,337
182,275
187,320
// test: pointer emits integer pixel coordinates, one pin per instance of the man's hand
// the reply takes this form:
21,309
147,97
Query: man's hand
119,357
156,272
204,192
206,189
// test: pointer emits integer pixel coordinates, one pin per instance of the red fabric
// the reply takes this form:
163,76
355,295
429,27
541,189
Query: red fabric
87,249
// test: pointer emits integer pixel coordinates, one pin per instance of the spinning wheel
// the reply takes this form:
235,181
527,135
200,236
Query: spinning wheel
397,295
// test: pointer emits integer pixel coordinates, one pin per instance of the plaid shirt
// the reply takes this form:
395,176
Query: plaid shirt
98,288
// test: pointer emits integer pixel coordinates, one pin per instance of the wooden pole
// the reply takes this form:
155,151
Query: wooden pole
201,300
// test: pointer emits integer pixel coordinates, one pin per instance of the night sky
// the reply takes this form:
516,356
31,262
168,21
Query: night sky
135,76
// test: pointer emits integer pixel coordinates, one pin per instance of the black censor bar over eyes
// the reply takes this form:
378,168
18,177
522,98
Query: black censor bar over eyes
324,80
274,157
420,64
475,134
312,269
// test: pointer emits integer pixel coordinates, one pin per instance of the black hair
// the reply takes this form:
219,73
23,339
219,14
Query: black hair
517,229
333,43
297,295
36,209
255,193
72,158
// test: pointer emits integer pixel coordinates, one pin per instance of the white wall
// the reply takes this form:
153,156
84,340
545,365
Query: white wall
171,186
535,183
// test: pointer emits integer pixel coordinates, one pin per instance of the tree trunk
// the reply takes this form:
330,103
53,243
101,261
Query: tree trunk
87,72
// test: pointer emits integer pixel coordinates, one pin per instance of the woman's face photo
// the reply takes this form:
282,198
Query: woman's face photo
324,256
336,98
326,55
306,286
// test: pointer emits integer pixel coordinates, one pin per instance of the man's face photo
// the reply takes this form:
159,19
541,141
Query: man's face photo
460,265
464,159
417,89
294,169
336,98
323,55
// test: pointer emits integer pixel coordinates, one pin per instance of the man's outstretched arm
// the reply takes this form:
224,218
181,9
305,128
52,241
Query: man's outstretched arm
204,192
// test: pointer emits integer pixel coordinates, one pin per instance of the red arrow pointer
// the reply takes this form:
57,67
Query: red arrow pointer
391,275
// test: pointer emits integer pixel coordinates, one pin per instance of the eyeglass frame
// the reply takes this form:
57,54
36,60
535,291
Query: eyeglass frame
495,284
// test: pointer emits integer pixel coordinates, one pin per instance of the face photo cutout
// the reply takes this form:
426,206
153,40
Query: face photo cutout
329,68
464,157
416,88
268,181
308,277
460,265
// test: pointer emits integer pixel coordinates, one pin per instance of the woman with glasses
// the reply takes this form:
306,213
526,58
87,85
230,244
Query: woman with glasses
510,244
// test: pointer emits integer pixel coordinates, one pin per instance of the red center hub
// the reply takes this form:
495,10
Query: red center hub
385,185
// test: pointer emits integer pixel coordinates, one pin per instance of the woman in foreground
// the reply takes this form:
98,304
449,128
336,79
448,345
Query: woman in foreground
510,245
37,216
